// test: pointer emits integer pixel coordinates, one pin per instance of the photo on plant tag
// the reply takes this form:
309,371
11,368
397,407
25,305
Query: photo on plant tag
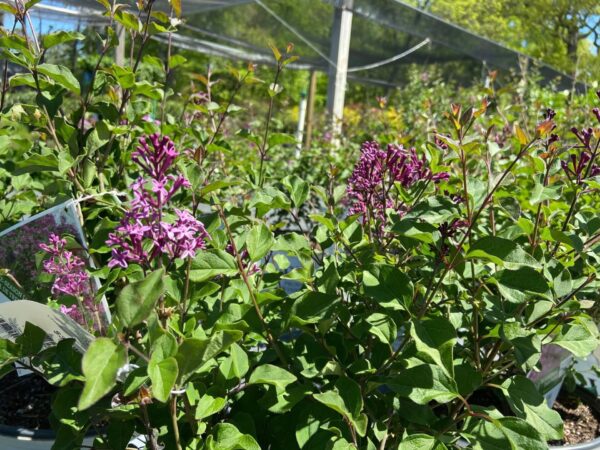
44,258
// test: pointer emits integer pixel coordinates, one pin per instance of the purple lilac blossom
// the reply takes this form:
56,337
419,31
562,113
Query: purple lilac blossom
143,234
582,165
577,169
376,172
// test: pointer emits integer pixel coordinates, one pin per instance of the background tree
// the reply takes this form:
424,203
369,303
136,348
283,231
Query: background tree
563,33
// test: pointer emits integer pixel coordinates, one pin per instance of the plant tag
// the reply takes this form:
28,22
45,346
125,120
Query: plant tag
21,272
57,326
554,361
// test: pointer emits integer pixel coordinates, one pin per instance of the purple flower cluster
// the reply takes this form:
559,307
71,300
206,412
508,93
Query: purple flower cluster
582,165
376,172
578,167
146,232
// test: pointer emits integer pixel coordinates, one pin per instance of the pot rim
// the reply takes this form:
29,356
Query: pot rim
589,445
27,433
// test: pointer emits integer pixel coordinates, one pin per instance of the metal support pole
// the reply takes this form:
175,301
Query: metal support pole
301,123
310,111
120,49
340,51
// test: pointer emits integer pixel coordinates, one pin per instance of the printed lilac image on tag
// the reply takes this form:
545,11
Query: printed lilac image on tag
44,258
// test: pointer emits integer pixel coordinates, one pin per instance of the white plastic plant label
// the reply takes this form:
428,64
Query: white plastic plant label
24,276
554,362
57,326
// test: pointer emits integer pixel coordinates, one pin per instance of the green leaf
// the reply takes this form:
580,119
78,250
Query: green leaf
36,163
281,139
273,375
563,284
135,380
60,37
572,241
129,20
385,284
543,193
580,337
298,189
208,264
9,352
31,340
347,401
527,344
209,405
194,353
527,403
517,286
435,339
164,346
383,326
424,383
100,365
507,433
259,241
61,75
236,365
163,375
503,252
275,50
60,364
312,307
421,442
415,230
227,437
434,210
137,300
8,8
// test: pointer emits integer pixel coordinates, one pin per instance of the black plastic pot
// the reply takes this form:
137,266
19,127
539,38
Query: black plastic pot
594,403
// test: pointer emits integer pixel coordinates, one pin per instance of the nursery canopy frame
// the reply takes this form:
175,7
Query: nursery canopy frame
366,41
